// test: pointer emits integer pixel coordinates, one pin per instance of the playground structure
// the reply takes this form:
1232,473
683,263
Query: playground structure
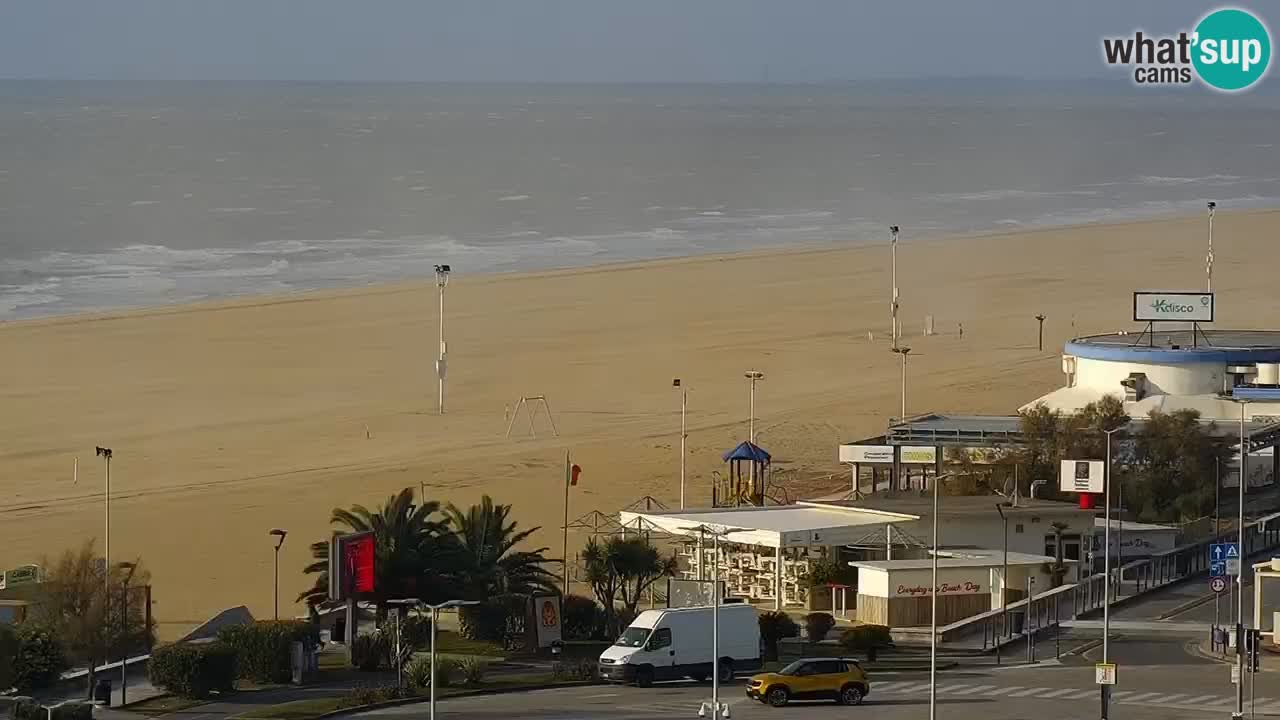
530,403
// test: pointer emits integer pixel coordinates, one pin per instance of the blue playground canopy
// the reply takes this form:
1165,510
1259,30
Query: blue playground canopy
748,451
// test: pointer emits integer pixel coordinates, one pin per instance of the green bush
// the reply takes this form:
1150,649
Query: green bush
418,673
498,620
583,618
446,670
865,638
65,711
194,670
831,572
473,671
774,626
370,694
415,631
40,659
574,670
262,648
817,625
369,652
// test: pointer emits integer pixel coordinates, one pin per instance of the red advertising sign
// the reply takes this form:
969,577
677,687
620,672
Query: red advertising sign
360,563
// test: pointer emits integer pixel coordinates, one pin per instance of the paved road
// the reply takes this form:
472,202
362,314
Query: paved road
992,694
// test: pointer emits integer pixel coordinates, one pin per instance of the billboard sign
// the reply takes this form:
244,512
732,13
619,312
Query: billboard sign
1081,476
919,455
1172,307
352,565
547,619
866,453
692,593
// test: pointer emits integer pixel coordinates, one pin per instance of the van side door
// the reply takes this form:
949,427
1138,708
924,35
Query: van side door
663,648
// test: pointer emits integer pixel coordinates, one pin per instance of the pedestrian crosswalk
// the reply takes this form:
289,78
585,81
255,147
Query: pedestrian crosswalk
974,690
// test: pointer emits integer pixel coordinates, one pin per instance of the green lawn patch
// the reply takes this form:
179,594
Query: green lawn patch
162,704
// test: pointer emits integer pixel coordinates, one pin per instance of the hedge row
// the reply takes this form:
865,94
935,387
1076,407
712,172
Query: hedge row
194,670
25,708
262,649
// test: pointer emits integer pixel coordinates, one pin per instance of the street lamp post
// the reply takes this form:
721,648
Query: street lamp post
1239,582
435,615
275,594
105,454
442,281
933,607
716,533
684,402
1004,578
124,629
1106,570
902,351
893,303
400,606
753,376
1040,336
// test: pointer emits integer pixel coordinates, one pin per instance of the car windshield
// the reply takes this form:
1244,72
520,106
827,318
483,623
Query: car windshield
792,669
633,637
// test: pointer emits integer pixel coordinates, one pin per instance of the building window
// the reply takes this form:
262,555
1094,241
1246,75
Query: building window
1017,528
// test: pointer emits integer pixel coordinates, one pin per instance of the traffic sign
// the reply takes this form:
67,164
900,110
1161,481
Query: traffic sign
1105,673
1217,568
1218,584
1224,551
1233,566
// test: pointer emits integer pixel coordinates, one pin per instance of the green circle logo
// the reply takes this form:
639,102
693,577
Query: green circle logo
1232,49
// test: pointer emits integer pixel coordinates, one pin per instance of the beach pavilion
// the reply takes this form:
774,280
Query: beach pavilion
767,551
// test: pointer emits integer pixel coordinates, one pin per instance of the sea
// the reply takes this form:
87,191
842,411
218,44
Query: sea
117,195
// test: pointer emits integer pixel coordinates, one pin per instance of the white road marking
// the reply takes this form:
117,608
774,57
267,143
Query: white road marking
974,689
1056,693
1029,691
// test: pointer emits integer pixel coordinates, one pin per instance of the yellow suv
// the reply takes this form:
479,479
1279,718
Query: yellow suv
839,679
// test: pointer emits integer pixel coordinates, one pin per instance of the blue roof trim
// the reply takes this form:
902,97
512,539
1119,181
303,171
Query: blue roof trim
1256,393
1182,356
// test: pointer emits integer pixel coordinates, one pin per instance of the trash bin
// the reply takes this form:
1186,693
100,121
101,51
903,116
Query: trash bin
102,692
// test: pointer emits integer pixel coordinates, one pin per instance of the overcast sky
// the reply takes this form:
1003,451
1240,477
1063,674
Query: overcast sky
569,40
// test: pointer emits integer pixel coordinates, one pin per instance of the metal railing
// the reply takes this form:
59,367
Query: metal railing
1067,602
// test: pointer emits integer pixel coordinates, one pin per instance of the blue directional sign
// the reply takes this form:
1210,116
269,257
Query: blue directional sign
1224,551
1217,568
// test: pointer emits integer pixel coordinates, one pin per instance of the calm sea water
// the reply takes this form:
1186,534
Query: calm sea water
117,195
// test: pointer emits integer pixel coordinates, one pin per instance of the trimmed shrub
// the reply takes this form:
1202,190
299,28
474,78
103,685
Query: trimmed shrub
817,625
446,671
472,671
774,626
583,618
362,695
194,670
262,648
40,659
574,670
866,638
418,673
369,652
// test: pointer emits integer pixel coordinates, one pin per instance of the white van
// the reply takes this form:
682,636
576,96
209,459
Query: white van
676,643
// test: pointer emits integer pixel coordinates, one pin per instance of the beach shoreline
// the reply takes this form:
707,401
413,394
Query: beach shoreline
230,417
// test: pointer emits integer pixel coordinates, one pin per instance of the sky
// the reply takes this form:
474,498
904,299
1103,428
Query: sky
571,40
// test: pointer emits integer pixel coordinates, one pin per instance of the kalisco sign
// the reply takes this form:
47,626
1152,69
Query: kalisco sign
1172,306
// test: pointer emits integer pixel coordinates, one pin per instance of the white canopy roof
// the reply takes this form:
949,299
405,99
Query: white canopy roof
797,525
957,559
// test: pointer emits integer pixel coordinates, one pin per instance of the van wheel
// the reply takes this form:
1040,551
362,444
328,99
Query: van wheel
850,695
726,670
778,696
644,677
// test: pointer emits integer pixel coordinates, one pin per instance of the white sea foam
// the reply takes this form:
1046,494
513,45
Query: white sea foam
513,198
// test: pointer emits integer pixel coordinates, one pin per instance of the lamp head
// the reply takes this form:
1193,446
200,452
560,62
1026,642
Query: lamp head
675,382
442,275
753,375
1212,204
104,452
277,532
893,229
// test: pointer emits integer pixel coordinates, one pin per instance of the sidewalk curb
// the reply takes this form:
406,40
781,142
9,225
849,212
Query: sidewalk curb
465,694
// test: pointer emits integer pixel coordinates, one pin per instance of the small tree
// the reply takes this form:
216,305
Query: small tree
817,625
39,660
620,570
774,626
8,655
81,603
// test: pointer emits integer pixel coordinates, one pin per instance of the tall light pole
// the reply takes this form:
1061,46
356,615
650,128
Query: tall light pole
1208,259
684,402
435,615
124,629
105,453
902,352
401,605
442,281
1106,570
893,303
933,607
1244,478
753,376
275,595
716,533
1004,578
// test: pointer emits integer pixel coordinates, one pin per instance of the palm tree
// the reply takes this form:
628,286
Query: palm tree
491,566
416,555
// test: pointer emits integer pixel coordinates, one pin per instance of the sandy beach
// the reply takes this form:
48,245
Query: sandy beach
228,419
